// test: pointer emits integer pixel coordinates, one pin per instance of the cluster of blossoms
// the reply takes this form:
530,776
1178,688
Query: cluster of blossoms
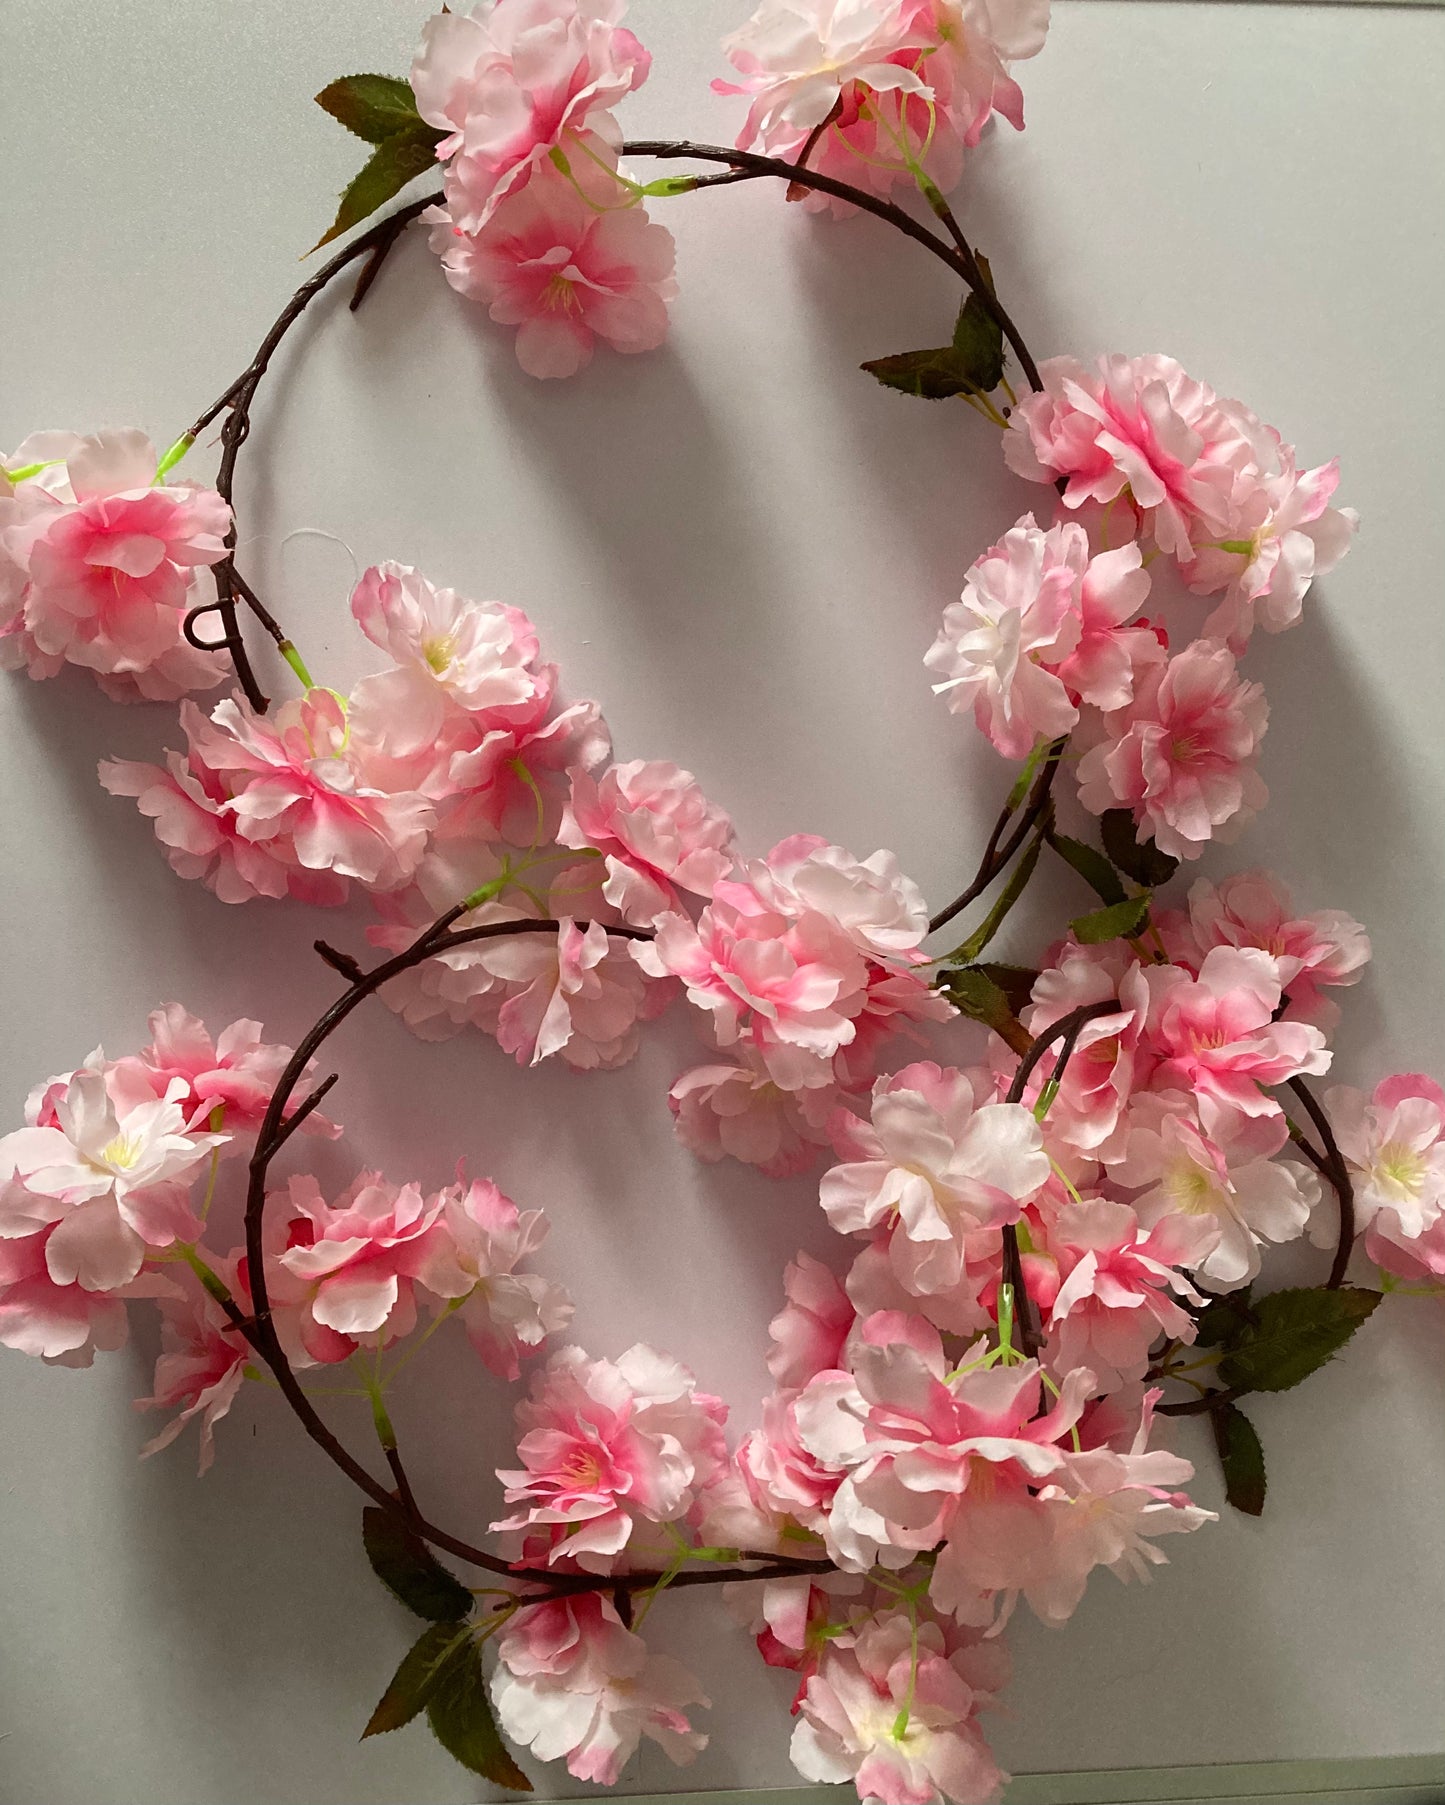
113,1191
965,1410
1048,638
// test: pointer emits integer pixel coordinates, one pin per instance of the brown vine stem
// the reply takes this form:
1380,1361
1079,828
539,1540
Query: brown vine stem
996,856
236,403
1332,1165
959,257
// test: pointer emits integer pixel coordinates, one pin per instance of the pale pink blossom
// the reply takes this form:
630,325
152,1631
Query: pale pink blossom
1216,1036
111,1175
229,1081
1253,908
63,1324
1228,1183
470,1257
101,564
1135,428
353,1261
566,262
453,660
889,1710
1394,1145
201,1367
573,1682
893,1003
1016,618
734,1109
869,900
786,989
512,783
657,832
939,1164
604,1444
1281,535
1115,1301
514,81
1181,755
786,1482
809,1332
576,993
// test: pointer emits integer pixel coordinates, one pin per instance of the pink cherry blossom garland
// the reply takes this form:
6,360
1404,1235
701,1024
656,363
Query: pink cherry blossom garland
1164,1062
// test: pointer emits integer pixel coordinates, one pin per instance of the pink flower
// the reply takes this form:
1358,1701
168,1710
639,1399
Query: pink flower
735,1110
1253,908
1394,1144
454,660
783,1479
566,267
603,1444
1227,1183
869,900
201,1367
1114,1302
293,782
939,1165
515,81
1097,1081
111,1175
572,1681
889,1710
1217,1037
231,1078
101,565
1016,619
1180,755
351,1263
1281,535
577,993
470,1256
1139,427
657,834
808,1333
63,1324
786,989
511,783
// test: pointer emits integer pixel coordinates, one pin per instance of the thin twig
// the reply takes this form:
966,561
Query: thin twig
1334,1168
996,857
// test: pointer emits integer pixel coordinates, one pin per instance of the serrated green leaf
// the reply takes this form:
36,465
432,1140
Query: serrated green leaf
982,1000
1295,1332
1015,981
395,162
978,340
1242,1457
407,1567
415,1679
1091,865
933,375
460,1715
1120,921
1136,858
374,107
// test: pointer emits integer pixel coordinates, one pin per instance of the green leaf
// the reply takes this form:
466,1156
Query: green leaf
978,340
1091,865
1120,921
1139,859
1226,1320
460,1715
1295,1332
375,107
1015,981
395,162
933,375
404,1564
415,1680
1241,1456
982,1000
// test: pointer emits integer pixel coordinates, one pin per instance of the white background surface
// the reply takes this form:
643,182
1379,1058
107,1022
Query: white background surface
741,546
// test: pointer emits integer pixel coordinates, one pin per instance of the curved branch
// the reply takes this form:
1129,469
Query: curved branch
996,857
958,256
236,402
1332,1165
